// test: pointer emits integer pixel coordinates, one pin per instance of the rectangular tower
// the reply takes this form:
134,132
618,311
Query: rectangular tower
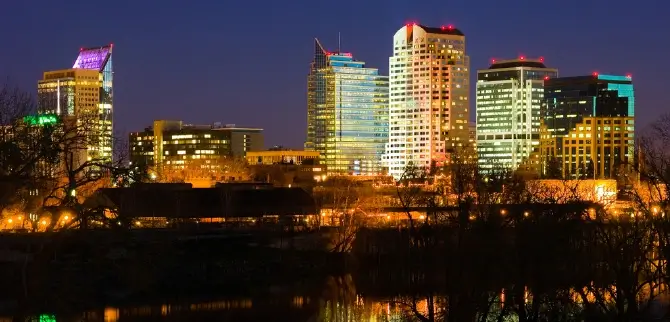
509,99
429,90
588,124
347,113
84,94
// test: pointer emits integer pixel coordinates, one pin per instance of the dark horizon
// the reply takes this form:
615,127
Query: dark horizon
246,63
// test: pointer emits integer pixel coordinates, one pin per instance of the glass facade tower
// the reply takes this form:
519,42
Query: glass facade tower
429,90
84,94
589,125
347,113
509,99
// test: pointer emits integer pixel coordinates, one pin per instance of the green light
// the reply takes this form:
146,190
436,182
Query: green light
43,119
47,318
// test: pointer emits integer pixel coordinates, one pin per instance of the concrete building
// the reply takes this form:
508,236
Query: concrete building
84,93
509,99
282,157
429,90
173,145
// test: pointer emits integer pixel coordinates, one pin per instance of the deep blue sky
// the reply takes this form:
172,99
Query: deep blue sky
245,62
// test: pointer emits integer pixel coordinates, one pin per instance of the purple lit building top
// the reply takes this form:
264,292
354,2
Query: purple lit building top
93,58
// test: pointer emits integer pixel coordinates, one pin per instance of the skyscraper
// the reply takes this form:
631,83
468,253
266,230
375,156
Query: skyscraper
84,95
429,90
588,125
347,113
509,98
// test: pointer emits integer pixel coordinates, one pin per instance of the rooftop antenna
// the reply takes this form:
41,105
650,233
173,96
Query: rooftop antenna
339,43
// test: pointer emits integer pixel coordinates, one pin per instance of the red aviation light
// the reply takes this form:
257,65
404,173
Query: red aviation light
450,27
542,59
522,57
629,76
81,48
546,77
443,28
493,60
595,73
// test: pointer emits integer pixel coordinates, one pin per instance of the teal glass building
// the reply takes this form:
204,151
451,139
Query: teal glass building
569,99
347,113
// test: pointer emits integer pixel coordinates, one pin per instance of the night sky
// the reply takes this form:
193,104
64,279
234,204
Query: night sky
245,62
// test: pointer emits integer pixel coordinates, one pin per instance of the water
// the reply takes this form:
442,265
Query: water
334,299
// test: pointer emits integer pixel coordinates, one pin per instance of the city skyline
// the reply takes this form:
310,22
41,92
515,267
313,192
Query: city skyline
203,92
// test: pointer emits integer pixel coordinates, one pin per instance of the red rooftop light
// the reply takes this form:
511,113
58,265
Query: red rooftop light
541,59
81,48
595,73
450,27
629,76
443,27
522,57
546,77
493,60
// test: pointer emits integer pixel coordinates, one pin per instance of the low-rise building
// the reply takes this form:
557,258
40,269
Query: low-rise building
282,156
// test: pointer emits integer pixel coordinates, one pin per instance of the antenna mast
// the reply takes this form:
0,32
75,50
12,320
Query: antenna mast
339,43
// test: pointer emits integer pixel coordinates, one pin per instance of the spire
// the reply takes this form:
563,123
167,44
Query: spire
319,54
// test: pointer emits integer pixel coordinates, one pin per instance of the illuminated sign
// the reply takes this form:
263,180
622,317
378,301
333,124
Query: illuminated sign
43,119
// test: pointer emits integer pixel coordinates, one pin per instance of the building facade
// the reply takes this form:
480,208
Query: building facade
84,93
282,157
429,90
347,113
509,99
173,145
588,126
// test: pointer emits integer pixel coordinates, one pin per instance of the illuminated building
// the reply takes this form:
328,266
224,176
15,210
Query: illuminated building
509,99
173,145
282,157
84,93
347,113
429,90
588,125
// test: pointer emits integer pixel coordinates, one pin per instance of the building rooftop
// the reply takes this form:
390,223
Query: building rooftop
443,30
93,58
520,62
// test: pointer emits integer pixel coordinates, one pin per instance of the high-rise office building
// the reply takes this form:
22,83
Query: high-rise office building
429,90
509,99
347,113
588,125
84,95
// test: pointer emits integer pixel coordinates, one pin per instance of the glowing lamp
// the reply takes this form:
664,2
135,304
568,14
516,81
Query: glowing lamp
546,77
493,60
81,48
450,27
443,27
629,76
522,57
542,59
595,73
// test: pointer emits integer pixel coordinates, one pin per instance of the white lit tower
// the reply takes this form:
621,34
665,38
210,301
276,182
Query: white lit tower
429,90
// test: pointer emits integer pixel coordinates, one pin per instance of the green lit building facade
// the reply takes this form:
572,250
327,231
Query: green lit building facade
509,99
347,113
